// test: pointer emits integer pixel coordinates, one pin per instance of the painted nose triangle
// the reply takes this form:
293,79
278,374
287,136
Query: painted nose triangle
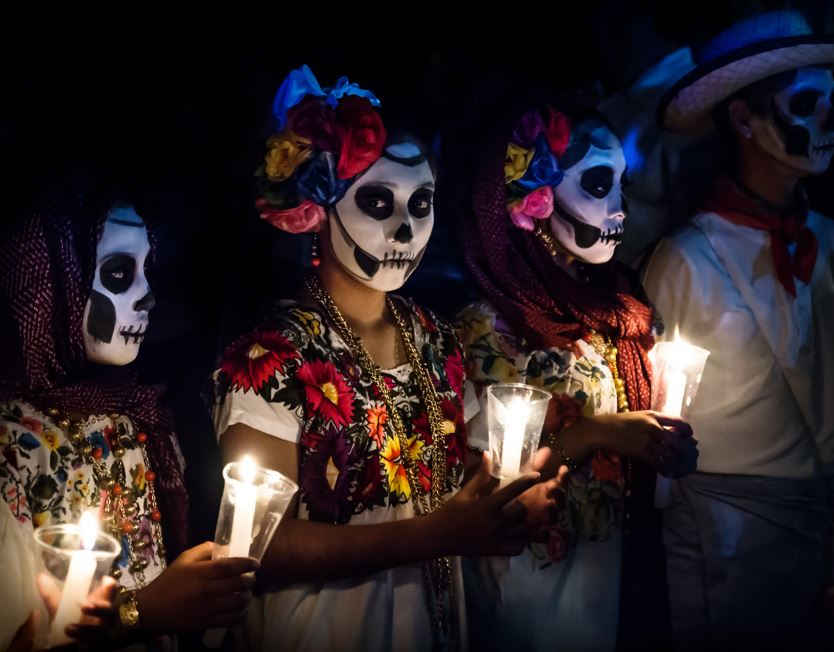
404,234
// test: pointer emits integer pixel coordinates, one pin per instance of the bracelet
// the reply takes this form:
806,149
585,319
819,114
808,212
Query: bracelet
555,442
129,611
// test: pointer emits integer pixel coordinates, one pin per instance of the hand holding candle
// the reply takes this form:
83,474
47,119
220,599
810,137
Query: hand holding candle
72,560
254,500
515,416
678,368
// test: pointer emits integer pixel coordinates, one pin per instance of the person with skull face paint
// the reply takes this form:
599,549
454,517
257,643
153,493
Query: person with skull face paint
750,279
544,214
77,429
349,390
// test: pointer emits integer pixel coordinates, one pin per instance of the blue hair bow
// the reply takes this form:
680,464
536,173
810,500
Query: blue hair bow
301,82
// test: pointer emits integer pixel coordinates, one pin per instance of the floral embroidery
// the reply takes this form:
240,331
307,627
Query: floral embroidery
349,460
44,481
581,384
328,393
377,417
252,362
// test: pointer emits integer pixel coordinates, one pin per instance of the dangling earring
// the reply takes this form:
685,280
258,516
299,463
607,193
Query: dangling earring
315,260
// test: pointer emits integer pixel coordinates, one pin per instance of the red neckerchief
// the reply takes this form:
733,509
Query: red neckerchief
739,206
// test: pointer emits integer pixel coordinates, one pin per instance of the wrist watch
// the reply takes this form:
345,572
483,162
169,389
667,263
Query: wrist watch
129,611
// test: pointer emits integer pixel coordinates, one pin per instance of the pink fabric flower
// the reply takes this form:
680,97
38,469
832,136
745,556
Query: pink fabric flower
307,217
538,205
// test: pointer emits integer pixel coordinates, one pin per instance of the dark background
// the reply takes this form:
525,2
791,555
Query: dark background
177,106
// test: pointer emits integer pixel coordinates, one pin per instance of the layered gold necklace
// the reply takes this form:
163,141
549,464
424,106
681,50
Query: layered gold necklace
118,500
437,573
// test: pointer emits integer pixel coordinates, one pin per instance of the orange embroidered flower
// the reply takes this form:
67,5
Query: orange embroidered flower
392,463
376,418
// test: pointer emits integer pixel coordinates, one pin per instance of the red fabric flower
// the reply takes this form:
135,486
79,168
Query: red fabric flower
328,393
307,217
252,361
361,134
557,131
314,119
606,467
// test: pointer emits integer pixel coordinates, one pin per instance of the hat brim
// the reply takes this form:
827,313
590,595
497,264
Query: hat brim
688,104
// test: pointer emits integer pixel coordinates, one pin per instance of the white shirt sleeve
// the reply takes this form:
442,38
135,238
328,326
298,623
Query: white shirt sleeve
253,410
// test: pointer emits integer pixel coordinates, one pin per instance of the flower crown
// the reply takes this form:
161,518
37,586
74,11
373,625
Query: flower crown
531,169
325,139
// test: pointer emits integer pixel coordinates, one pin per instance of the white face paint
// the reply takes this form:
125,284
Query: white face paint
800,131
379,230
588,215
116,314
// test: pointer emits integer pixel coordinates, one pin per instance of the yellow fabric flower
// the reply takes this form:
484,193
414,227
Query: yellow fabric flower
517,161
286,152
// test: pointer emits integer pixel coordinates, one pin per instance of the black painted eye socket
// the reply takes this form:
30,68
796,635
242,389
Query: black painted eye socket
804,103
375,201
598,181
117,273
420,203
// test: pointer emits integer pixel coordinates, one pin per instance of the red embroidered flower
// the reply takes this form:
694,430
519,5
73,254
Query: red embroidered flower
31,424
328,393
453,429
362,134
606,467
314,119
428,325
454,372
557,544
557,131
252,361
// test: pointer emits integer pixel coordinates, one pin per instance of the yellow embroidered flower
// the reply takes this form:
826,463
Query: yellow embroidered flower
311,323
516,163
138,475
392,462
50,439
286,152
503,371
41,518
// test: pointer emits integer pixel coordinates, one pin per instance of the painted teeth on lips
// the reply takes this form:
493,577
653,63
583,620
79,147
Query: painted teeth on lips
397,259
130,334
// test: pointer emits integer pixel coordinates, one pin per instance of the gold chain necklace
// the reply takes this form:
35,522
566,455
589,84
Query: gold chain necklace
120,503
437,573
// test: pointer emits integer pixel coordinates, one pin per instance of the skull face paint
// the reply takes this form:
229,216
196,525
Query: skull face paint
116,314
588,215
379,230
800,130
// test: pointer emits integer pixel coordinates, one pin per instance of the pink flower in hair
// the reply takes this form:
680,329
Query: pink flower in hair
537,205
307,217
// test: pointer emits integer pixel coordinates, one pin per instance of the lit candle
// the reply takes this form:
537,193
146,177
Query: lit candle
80,575
246,497
515,424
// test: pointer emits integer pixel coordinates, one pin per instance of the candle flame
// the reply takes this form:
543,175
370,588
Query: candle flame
88,530
248,469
